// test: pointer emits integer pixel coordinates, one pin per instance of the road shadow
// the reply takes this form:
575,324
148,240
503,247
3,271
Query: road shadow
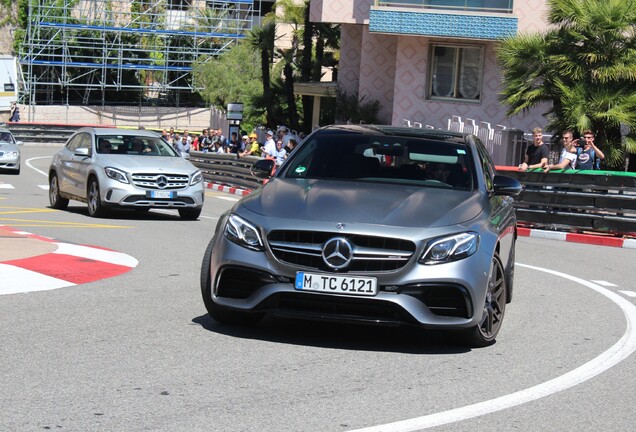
407,340
127,214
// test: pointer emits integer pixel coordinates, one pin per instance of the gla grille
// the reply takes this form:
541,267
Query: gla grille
149,181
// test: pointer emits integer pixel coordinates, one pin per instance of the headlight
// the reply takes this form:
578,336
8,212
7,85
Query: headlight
11,154
116,174
196,178
241,232
451,248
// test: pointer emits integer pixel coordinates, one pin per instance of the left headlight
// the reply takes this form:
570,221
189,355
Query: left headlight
196,178
243,233
116,174
11,154
451,248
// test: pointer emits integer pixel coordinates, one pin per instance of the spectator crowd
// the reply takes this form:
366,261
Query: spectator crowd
274,146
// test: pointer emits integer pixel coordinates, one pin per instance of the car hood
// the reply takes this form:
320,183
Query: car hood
153,163
359,202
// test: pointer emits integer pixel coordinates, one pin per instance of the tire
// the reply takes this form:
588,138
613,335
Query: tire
485,333
219,313
510,273
95,207
190,213
55,199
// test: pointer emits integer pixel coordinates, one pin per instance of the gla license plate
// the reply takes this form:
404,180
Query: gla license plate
161,194
352,285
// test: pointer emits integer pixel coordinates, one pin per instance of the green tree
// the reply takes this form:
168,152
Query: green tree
233,77
585,67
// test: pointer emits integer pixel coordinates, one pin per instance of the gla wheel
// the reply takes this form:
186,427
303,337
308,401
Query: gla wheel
95,206
55,199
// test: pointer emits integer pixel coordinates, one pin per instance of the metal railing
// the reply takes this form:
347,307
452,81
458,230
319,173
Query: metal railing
594,201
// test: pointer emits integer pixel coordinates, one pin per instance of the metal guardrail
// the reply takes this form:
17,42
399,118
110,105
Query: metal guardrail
227,169
597,201
41,133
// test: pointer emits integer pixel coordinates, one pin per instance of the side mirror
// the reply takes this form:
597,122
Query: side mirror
19,143
81,151
262,168
504,185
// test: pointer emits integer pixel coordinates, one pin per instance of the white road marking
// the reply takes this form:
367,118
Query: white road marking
45,187
604,283
227,198
628,293
18,280
96,254
625,346
28,163
6,186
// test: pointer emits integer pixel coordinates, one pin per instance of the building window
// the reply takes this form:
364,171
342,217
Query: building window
456,72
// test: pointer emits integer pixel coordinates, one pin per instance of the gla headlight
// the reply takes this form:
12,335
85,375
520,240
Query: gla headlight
116,174
451,248
197,177
11,154
241,232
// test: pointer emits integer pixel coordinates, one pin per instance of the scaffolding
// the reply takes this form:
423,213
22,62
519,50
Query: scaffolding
105,51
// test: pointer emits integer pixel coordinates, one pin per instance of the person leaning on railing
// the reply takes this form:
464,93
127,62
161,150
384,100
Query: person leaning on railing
567,158
537,155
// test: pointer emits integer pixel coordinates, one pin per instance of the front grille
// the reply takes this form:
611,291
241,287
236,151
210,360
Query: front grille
336,308
370,253
161,181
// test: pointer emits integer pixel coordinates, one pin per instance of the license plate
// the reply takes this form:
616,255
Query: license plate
327,283
161,194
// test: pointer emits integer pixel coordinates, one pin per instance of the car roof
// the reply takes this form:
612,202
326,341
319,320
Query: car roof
436,134
118,131
5,130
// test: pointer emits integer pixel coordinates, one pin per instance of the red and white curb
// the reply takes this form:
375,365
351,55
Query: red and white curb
68,265
228,189
578,238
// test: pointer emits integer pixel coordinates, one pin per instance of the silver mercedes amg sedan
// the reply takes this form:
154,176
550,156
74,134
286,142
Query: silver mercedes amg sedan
371,224
135,169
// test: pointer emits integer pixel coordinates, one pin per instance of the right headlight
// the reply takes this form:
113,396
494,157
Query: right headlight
116,174
243,233
450,248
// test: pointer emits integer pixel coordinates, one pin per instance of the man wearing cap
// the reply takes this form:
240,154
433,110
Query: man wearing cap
253,148
270,144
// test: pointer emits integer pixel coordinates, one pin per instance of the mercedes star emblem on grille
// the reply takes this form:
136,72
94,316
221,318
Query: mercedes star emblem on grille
337,253
162,182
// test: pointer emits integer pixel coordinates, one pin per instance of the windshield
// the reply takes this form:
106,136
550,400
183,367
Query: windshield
134,145
6,137
382,158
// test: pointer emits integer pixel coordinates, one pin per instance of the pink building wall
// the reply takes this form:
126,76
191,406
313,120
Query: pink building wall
393,69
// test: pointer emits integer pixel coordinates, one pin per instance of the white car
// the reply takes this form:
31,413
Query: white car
136,169
9,152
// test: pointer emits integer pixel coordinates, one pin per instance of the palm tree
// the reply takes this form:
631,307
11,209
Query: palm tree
585,66
262,39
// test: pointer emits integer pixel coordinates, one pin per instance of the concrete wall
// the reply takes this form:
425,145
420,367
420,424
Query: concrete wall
155,117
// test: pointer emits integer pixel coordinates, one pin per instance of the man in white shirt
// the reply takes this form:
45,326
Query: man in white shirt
567,159
270,145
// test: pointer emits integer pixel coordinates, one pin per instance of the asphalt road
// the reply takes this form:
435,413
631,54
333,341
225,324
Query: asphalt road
137,352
